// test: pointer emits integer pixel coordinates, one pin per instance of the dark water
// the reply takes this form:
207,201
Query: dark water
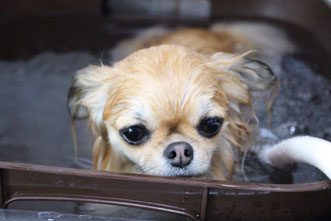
34,121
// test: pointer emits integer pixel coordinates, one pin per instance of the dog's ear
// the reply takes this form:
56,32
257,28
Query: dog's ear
89,93
253,73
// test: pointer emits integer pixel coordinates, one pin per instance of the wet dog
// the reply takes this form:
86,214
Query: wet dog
178,105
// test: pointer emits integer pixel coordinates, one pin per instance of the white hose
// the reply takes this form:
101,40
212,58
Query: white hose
303,149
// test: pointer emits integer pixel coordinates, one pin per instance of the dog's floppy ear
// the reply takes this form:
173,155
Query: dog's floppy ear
89,93
253,73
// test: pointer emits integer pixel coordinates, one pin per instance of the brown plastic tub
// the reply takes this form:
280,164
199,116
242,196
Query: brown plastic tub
196,199
58,26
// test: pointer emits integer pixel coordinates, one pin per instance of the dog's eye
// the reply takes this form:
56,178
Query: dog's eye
135,134
209,127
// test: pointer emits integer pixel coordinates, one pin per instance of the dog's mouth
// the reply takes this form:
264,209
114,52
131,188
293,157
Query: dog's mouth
179,173
185,173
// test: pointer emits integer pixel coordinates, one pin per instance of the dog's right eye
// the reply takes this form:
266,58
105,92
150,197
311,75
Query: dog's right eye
135,134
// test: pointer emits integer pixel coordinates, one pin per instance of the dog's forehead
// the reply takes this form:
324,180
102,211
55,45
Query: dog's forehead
166,87
168,70
162,61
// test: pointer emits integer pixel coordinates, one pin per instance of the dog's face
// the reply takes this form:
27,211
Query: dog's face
167,114
166,109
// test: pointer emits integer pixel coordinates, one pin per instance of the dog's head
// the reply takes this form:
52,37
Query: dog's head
169,110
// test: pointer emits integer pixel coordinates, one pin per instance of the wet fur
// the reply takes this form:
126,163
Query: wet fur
180,78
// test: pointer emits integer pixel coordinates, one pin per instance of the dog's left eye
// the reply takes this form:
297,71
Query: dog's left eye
209,127
135,134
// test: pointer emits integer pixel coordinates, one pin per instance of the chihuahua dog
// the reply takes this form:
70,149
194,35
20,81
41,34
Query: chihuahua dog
179,105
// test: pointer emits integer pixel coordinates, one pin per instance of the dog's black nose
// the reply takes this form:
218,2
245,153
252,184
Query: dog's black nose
179,154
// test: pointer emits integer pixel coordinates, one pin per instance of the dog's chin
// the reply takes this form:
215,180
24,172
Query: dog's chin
183,172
